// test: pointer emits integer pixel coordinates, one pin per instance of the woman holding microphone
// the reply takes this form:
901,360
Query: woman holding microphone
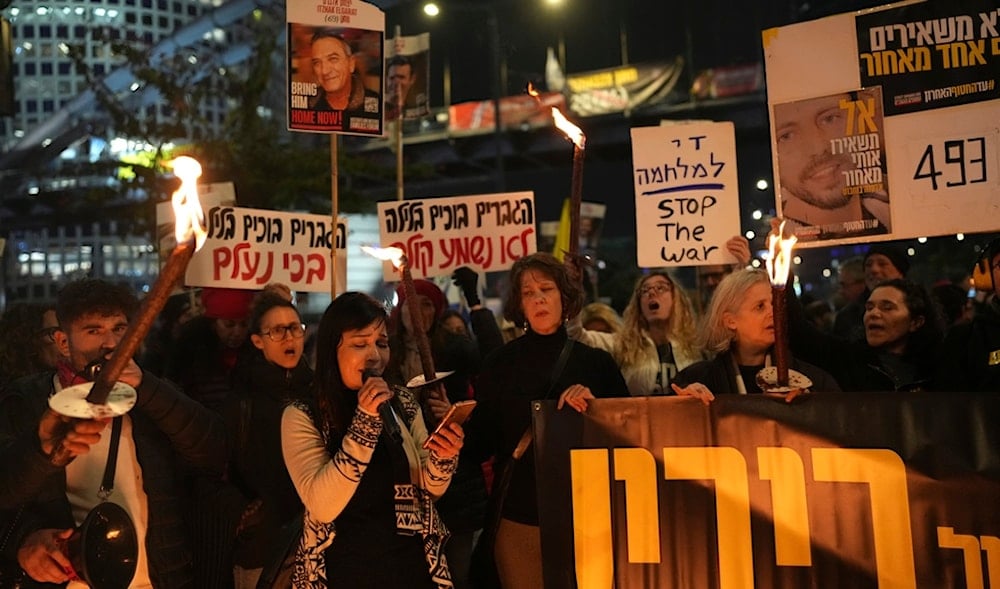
361,468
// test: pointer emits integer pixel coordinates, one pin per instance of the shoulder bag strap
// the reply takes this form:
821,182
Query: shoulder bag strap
528,436
108,481
522,446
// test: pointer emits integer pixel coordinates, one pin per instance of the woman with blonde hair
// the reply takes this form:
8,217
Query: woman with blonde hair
658,338
738,330
601,317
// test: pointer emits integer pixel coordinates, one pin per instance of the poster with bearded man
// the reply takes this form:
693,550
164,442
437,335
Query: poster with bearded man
831,165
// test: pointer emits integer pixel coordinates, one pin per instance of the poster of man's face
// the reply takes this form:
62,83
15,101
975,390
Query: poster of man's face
808,168
335,79
399,79
406,74
831,167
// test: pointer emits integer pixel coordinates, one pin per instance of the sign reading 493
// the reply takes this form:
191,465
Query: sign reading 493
948,178
954,162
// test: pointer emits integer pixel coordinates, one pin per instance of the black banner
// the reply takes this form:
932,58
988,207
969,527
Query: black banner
834,490
931,54
622,88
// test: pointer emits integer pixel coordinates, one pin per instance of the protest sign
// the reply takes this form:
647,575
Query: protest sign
488,232
686,194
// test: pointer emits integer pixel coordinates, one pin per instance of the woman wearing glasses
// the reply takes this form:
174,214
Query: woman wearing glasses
264,381
28,345
658,338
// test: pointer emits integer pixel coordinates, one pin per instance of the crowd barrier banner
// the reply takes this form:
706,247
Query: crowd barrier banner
834,490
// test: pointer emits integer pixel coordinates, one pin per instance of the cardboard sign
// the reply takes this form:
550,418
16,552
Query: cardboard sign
248,248
487,232
686,194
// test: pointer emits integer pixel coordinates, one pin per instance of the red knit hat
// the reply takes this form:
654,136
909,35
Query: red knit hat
429,290
226,303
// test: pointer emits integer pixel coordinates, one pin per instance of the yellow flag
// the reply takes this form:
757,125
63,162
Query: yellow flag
562,236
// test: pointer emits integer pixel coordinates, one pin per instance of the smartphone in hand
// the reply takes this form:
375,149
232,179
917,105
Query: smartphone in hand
458,413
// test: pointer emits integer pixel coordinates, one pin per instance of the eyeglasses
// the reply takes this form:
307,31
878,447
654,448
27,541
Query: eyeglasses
656,289
280,332
49,333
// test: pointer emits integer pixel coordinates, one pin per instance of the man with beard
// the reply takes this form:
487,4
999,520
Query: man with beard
815,194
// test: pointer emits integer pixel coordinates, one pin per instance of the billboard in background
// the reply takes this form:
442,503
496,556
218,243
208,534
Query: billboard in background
515,112
334,66
915,86
622,88
728,81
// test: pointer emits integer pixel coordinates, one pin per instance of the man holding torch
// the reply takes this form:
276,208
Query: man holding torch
164,432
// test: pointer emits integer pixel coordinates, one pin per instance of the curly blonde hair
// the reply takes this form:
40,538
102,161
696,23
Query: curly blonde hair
683,330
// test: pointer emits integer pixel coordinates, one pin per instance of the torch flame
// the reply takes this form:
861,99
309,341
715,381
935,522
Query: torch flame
386,254
189,217
571,131
780,260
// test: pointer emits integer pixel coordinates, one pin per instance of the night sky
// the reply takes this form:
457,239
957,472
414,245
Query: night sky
708,33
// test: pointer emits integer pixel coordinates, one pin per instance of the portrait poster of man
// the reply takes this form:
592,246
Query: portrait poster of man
407,70
335,79
830,161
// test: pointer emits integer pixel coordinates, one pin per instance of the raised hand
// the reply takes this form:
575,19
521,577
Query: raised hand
467,280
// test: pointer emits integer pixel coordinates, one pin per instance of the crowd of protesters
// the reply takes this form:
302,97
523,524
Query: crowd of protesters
244,463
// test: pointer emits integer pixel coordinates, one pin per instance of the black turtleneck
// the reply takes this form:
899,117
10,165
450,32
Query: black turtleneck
517,374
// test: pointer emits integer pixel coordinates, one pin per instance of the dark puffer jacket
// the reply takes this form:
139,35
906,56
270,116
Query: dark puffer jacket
174,437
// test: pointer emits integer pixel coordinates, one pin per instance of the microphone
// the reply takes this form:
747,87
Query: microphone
389,423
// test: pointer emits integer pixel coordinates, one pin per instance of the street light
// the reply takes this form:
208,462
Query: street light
432,9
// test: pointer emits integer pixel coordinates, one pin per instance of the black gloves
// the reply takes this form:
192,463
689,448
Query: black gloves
467,280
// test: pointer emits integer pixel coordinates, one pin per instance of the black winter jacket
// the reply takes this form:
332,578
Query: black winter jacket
174,437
